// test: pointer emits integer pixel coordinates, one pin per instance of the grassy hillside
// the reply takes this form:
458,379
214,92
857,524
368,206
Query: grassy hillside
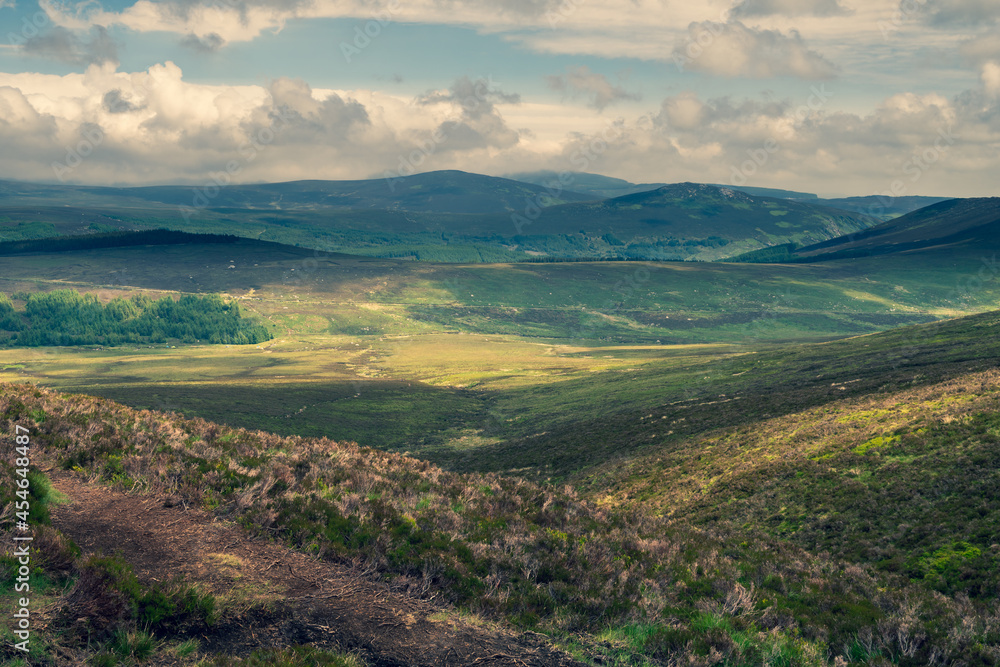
464,364
619,585
623,302
947,234
562,430
699,221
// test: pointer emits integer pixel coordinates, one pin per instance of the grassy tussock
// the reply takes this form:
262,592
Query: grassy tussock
505,548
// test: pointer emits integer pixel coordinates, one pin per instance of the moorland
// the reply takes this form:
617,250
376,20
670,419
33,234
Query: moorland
787,457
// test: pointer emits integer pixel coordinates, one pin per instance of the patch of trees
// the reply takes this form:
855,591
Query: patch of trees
66,317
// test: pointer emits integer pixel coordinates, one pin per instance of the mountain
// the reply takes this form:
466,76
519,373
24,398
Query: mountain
595,185
603,187
881,207
776,193
955,226
447,216
438,192
695,221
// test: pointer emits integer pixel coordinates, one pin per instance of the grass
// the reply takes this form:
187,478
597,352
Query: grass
299,656
93,610
532,556
813,499
920,501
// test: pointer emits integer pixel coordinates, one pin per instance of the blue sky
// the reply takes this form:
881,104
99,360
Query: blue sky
842,97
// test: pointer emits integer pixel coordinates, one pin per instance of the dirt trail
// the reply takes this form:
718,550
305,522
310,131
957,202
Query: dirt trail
312,602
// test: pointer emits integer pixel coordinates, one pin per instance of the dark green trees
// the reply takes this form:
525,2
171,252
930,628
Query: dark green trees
66,317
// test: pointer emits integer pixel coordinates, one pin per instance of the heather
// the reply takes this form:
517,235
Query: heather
621,581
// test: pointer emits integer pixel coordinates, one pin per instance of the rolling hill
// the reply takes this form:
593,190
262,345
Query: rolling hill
949,227
882,207
952,232
605,187
437,216
696,220
437,192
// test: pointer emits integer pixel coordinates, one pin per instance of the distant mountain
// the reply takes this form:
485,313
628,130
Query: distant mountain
595,185
601,187
776,193
699,220
947,233
971,225
439,192
439,216
885,208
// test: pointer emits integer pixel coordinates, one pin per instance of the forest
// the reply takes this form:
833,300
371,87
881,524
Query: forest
66,317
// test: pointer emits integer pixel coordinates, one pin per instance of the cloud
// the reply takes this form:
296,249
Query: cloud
114,102
734,50
209,43
983,48
475,121
753,8
156,127
8,3
991,79
952,13
306,119
924,144
245,20
581,82
66,46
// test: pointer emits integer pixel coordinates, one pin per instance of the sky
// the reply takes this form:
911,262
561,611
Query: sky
835,97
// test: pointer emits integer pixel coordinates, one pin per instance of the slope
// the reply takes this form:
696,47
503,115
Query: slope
619,586
449,216
710,221
944,233
878,206
438,192
604,187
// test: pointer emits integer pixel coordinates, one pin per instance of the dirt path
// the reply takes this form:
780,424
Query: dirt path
311,602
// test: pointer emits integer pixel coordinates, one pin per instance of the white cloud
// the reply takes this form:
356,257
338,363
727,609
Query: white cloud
924,144
991,79
735,50
156,127
8,3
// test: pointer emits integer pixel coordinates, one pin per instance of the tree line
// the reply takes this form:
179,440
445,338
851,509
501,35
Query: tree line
66,317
